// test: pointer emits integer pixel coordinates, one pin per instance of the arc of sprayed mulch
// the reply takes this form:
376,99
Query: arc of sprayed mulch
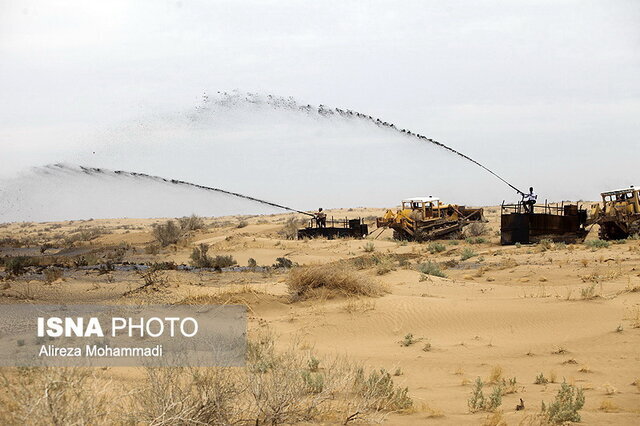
95,170
290,103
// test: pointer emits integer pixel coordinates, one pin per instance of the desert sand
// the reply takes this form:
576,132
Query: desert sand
570,312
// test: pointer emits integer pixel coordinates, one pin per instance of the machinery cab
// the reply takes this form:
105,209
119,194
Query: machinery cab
426,218
625,201
426,208
618,215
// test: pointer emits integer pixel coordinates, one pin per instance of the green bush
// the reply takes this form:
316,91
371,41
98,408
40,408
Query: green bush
431,268
380,388
17,265
467,253
565,407
408,340
596,244
436,247
478,402
476,240
541,380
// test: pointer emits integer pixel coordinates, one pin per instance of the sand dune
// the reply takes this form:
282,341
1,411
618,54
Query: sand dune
568,312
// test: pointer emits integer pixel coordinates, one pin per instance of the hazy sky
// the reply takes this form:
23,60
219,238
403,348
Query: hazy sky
545,92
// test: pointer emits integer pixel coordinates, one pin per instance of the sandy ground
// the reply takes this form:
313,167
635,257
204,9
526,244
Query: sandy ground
570,312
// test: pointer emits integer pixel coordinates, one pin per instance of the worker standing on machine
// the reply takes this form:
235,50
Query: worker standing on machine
321,218
529,200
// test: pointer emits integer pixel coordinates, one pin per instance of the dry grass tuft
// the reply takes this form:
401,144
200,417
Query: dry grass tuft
496,374
244,295
495,419
608,406
326,281
356,305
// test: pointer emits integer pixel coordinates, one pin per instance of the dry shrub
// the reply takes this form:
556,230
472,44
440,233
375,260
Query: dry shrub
476,229
167,233
186,395
52,274
200,259
275,387
236,296
608,406
191,223
55,396
356,305
329,280
153,281
496,374
495,419
289,230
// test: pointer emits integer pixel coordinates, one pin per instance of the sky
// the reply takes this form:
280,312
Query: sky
545,93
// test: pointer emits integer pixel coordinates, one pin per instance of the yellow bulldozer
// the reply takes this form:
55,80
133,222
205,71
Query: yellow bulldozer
426,218
618,215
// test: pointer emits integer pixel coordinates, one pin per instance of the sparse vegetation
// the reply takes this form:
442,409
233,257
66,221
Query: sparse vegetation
369,247
588,293
274,388
17,265
476,240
